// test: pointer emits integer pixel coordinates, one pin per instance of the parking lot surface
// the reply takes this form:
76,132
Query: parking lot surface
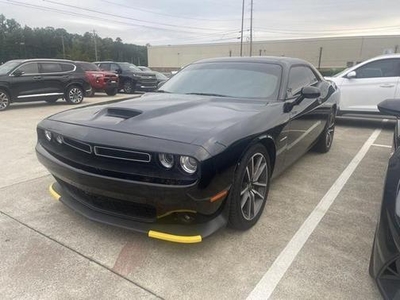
50,252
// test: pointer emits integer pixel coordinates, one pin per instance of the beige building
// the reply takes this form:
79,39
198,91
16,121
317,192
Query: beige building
325,53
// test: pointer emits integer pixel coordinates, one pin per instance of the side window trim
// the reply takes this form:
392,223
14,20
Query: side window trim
55,73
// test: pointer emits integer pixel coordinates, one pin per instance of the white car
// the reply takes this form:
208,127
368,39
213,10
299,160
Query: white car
365,85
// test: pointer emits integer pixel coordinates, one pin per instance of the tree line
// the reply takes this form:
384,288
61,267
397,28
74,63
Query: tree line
25,42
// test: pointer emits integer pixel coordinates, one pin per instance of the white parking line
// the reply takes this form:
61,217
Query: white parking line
273,276
382,146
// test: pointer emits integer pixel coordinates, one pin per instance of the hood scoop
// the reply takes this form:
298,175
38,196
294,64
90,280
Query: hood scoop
122,113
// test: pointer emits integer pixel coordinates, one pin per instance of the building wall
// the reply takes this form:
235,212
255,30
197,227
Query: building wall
337,52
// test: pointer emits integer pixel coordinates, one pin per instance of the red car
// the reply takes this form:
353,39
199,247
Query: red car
99,80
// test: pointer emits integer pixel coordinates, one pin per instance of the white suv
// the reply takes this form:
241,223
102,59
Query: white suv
368,83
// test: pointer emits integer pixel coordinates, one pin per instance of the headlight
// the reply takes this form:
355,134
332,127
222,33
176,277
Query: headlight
59,139
188,164
48,135
166,160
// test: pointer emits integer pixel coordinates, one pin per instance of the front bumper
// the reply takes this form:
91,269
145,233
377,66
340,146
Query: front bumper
169,232
161,211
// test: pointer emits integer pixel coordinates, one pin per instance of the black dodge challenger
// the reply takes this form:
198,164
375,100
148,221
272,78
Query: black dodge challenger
385,259
197,155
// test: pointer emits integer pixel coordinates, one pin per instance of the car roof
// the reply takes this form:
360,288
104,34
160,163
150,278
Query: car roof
43,59
282,60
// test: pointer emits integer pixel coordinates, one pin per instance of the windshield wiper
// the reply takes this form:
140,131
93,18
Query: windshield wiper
206,94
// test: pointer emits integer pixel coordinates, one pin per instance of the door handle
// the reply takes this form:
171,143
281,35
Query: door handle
387,85
37,77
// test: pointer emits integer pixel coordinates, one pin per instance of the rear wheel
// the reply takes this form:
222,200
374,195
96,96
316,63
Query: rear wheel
325,141
4,100
250,188
74,95
112,92
129,87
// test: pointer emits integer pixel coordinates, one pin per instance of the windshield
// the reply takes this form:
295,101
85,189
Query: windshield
89,67
129,67
229,79
8,66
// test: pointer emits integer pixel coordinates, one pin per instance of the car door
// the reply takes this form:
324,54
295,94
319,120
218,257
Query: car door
308,118
373,83
26,82
53,79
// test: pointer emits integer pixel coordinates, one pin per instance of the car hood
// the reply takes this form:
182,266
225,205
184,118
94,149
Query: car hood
183,118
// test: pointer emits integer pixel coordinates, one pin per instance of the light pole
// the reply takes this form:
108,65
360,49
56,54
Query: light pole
95,44
241,31
251,29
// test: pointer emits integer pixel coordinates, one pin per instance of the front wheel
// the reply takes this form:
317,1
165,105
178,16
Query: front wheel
74,95
129,87
250,188
112,92
4,100
325,141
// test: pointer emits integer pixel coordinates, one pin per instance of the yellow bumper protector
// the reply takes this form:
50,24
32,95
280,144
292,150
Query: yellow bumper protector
55,195
175,238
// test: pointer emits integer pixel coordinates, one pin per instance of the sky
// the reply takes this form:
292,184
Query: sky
169,22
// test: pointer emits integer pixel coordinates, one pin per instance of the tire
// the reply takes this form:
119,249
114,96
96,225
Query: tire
325,141
74,95
4,100
112,92
248,195
51,101
129,87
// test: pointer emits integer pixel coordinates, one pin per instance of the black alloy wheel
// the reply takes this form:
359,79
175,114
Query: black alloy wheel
325,141
74,95
129,87
112,92
4,100
249,191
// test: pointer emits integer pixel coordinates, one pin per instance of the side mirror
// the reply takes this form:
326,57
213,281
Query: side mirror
160,84
17,73
352,74
390,107
118,71
310,92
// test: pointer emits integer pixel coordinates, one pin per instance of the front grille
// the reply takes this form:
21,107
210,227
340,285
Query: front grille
122,154
111,206
77,145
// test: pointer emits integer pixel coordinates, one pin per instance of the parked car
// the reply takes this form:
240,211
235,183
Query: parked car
199,154
369,83
131,78
99,80
160,76
26,80
385,259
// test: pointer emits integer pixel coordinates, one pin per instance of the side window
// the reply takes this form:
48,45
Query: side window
105,67
299,77
50,68
380,68
30,68
67,67
114,67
